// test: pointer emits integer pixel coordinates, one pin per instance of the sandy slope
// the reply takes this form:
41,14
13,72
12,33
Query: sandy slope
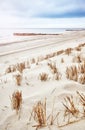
32,88
31,45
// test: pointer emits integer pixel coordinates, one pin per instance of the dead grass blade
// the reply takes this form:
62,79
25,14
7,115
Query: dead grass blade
70,107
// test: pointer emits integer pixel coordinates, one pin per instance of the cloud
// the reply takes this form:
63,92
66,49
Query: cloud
41,8
41,12
66,8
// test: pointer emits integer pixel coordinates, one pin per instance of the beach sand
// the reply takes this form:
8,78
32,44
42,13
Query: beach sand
40,55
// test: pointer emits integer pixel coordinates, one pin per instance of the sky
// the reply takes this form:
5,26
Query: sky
42,13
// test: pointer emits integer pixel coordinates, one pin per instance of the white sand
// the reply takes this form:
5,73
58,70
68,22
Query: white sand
32,88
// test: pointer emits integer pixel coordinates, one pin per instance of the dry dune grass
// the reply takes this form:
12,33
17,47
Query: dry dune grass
16,101
53,67
33,60
60,52
81,45
40,58
57,76
43,76
68,51
70,112
77,59
48,56
18,79
82,79
70,107
54,70
56,53
62,60
17,67
20,67
76,73
73,111
27,64
10,69
39,110
39,114
81,68
77,48
82,101
72,73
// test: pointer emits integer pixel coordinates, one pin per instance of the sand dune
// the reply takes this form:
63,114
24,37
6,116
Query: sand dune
41,64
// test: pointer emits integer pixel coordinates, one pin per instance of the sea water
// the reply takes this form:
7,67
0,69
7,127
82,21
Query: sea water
7,33
4,32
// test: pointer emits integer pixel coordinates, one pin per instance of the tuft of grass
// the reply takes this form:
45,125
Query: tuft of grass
62,60
82,79
20,67
10,69
77,48
68,51
32,60
76,73
81,68
60,52
53,67
77,59
16,101
43,76
18,79
27,64
81,45
57,76
70,107
72,73
40,58
70,113
82,101
39,114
